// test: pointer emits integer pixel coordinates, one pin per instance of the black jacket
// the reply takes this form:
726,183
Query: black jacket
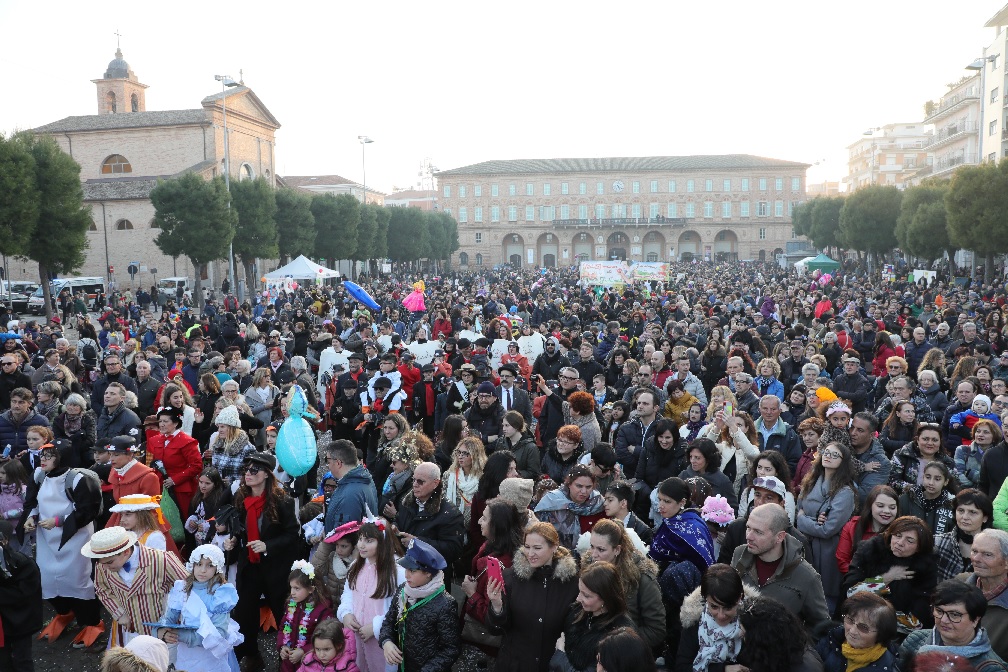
852,388
440,524
121,422
654,465
9,382
581,638
993,470
281,539
873,558
20,595
432,638
486,422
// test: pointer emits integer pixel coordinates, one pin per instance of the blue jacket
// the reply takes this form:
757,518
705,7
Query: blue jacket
13,434
353,492
784,439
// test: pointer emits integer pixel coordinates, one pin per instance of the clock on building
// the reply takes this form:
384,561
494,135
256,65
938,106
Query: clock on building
617,186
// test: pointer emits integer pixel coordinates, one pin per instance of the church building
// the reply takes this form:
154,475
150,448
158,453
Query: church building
124,149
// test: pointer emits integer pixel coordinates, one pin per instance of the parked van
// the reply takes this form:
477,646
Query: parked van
169,288
92,287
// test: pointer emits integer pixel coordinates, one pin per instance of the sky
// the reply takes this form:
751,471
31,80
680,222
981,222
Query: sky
464,82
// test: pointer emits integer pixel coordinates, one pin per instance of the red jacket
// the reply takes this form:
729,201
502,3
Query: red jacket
845,548
182,460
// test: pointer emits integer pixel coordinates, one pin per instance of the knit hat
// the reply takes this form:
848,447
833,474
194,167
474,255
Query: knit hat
985,399
517,491
825,395
486,387
151,650
228,416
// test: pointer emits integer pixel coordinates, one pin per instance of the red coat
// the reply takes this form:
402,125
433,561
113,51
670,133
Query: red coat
182,460
139,480
878,362
845,548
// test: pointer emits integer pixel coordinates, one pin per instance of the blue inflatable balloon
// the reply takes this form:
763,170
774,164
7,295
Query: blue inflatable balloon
296,448
357,292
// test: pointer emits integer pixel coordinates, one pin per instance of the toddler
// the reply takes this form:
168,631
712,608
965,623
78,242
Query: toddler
961,424
333,649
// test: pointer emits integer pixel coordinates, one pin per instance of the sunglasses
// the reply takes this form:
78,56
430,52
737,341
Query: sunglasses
254,469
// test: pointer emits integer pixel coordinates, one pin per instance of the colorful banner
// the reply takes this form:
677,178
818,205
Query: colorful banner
613,273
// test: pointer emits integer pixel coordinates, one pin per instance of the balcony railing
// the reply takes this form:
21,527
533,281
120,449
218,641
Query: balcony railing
944,163
676,222
947,104
951,132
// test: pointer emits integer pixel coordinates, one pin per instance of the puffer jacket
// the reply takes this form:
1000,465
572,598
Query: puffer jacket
534,609
432,637
644,601
831,653
689,615
120,422
13,433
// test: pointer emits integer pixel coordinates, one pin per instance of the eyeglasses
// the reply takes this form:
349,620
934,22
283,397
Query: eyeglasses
567,378
832,454
862,627
419,481
953,616
48,454
253,469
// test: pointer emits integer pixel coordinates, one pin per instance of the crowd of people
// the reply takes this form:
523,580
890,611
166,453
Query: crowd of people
737,469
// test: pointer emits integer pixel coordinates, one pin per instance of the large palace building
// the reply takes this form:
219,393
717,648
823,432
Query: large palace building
557,212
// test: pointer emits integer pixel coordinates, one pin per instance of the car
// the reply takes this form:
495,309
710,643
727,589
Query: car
21,291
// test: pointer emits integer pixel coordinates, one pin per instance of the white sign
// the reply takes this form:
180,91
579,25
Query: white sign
531,346
424,352
531,256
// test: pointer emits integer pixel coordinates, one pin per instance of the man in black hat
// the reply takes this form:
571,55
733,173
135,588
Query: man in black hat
462,354
512,397
424,399
486,416
343,409
355,371
374,410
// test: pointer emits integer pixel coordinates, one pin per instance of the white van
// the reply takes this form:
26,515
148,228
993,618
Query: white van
91,286
168,288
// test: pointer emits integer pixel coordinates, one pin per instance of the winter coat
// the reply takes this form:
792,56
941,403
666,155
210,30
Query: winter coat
939,513
121,421
689,616
993,470
526,455
181,458
784,439
535,605
644,601
825,537
353,492
346,661
655,464
873,558
831,652
440,524
433,640
983,657
794,583
83,440
14,433
995,621
630,439
894,438
582,635
557,468
936,399
907,462
485,422
20,596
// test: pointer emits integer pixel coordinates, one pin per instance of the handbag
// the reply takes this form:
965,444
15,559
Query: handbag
172,516
475,632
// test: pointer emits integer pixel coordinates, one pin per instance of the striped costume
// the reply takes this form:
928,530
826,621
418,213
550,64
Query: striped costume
142,601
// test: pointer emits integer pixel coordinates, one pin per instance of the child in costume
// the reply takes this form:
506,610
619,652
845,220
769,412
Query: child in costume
202,603
141,514
334,557
420,631
370,586
307,606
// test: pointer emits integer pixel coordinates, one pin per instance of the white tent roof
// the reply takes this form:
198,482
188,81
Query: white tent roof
302,268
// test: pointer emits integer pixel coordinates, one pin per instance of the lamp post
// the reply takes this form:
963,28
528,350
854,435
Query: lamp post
981,65
364,142
227,82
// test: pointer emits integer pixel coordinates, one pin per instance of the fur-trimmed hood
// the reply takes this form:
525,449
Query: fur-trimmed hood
564,567
693,605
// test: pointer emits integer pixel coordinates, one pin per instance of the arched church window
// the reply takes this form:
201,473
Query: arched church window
110,101
124,225
92,226
463,259
246,172
116,164
135,103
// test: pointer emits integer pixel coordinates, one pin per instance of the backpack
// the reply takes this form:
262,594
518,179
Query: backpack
69,478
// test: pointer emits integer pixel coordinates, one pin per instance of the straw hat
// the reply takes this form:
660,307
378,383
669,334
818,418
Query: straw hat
137,502
108,542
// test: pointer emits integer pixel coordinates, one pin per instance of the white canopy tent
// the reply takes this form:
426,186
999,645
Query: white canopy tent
302,268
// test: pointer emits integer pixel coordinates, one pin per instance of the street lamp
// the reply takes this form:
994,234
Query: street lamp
227,82
364,142
980,64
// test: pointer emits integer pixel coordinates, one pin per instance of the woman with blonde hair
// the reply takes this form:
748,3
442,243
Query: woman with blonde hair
229,446
719,396
462,477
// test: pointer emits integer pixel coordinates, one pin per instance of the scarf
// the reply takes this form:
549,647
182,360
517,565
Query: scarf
978,647
762,383
411,595
233,447
254,507
858,658
47,408
565,515
693,429
717,643
962,536
461,488
929,505
72,423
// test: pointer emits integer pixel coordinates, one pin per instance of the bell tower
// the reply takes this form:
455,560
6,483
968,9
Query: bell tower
120,91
